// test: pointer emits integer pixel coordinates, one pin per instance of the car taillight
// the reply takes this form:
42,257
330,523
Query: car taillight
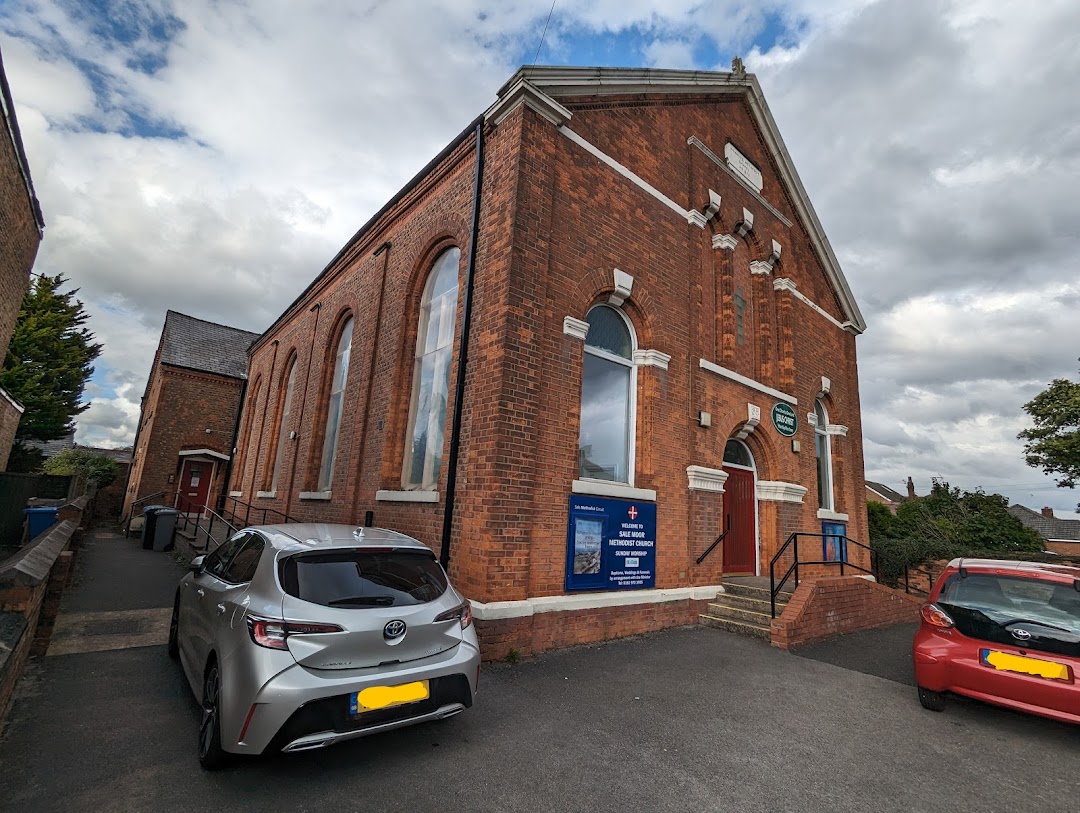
273,633
936,617
462,612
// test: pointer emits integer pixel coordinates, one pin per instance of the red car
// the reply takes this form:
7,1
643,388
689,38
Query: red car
1004,632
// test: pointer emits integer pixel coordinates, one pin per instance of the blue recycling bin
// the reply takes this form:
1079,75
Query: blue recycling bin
39,520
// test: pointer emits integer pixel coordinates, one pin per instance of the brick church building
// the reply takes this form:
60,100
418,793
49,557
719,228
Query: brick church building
659,345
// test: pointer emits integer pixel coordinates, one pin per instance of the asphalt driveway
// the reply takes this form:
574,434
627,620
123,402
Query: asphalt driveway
692,719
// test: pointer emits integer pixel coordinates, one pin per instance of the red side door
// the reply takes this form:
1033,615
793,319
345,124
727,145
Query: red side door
194,486
740,545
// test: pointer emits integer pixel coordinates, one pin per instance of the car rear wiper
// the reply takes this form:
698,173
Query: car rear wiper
379,601
1036,623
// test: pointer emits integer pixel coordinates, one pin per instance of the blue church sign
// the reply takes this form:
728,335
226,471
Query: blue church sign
611,544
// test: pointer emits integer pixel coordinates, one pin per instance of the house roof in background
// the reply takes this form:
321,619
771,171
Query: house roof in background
1050,528
207,346
11,127
885,492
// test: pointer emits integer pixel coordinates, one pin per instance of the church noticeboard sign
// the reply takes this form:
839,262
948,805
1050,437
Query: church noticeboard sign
611,544
785,420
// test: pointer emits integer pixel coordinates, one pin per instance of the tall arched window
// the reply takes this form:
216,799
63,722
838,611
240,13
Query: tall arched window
431,374
251,402
606,439
824,457
333,409
283,423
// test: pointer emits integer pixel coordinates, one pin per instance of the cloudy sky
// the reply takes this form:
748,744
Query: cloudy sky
212,155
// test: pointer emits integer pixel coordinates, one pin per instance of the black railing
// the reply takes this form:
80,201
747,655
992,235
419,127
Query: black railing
136,504
236,510
716,542
207,530
842,562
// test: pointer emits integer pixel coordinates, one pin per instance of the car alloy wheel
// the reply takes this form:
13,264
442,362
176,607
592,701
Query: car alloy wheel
211,755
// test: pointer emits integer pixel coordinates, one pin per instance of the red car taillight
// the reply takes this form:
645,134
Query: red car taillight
936,617
462,612
273,633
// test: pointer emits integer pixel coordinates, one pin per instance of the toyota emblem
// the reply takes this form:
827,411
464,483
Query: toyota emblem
1022,635
393,629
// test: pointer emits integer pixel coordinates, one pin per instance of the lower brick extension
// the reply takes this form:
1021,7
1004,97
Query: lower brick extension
531,634
822,608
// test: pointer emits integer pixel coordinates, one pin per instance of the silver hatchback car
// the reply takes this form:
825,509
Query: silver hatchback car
299,636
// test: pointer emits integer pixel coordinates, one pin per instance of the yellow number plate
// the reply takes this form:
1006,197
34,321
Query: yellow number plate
1026,666
382,697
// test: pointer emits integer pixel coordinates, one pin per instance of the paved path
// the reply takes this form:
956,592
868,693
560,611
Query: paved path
692,719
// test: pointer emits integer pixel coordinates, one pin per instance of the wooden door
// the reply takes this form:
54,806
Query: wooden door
194,486
740,505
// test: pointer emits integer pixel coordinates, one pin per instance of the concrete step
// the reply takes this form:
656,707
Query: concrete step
759,617
734,588
737,627
760,605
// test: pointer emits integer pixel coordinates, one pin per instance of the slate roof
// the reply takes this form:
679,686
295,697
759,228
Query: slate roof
207,346
886,492
1050,528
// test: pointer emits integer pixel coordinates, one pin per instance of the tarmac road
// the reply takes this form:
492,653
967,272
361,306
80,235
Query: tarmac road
692,719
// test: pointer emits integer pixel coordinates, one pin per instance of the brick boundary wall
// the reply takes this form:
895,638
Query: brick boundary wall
823,608
531,634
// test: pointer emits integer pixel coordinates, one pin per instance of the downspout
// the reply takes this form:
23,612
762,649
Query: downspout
463,355
317,308
384,250
262,424
232,447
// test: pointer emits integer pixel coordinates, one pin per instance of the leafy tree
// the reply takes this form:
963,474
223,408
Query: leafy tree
881,520
49,360
98,469
1053,444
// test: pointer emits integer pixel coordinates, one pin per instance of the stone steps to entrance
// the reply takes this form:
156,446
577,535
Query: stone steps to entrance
744,607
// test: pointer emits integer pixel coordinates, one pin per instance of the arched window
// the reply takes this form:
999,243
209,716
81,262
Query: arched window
824,457
283,423
606,439
431,374
736,454
333,409
251,403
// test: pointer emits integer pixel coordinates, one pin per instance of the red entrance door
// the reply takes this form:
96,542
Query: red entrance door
194,486
740,545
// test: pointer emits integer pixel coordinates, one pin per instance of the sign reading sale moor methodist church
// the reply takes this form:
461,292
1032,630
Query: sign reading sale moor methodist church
611,544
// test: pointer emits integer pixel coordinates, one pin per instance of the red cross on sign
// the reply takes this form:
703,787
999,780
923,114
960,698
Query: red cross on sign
632,512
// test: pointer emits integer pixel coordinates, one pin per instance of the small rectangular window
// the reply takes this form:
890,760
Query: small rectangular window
740,316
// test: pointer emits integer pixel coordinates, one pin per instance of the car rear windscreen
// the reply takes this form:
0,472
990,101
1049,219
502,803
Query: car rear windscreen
994,607
358,578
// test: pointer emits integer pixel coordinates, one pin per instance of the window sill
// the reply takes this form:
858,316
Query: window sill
269,495
315,495
603,488
407,496
824,513
236,493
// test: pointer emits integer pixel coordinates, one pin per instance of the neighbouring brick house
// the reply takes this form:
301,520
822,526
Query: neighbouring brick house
1062,536
891,499
21,227
184,441
660,345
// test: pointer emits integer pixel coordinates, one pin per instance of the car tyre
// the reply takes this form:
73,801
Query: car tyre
934,701
212,756
174,629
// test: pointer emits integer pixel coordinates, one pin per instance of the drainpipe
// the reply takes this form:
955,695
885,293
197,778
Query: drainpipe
232,447
316,309
463,355
384,250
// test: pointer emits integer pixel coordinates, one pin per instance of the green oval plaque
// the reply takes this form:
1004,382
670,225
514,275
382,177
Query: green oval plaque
785,420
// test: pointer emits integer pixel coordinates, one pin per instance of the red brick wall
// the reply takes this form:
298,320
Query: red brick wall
180,406
826,607
9,422
19,240
554,630
555,221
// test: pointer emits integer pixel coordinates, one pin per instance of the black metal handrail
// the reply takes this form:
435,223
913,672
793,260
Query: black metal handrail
716,542
793,542
134,505
245,509
205,519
